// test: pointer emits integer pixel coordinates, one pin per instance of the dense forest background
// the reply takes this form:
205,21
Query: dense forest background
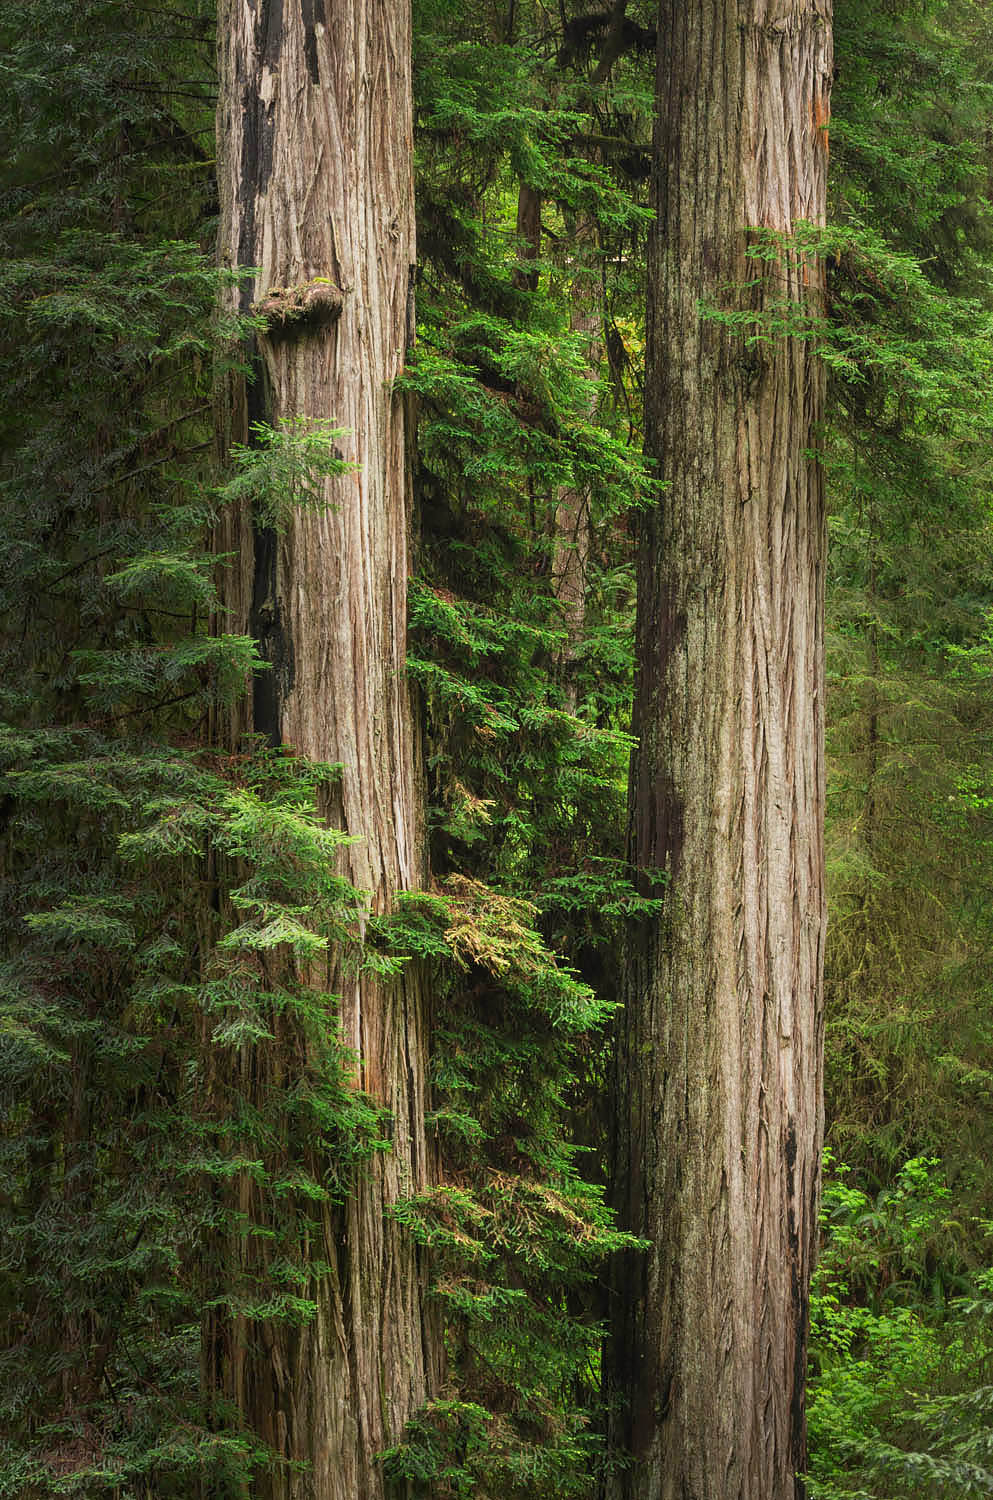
151,1192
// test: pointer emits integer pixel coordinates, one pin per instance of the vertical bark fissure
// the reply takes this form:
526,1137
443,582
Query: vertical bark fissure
315,167
719,1055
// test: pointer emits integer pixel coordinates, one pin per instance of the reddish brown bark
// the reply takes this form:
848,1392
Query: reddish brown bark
315,172
720,1049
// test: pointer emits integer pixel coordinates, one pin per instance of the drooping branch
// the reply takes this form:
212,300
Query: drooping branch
611,31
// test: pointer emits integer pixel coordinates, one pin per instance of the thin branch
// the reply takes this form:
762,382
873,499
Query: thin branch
613,43
150,708
147,468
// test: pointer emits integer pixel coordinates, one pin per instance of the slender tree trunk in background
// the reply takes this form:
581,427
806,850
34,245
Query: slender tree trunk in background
572,510
570,518
870,813
528,238
720,1047
315,171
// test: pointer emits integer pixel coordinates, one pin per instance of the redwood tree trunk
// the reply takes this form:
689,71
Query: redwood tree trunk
315,171
720,1048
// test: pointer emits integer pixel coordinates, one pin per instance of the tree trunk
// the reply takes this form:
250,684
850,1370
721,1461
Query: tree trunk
525,276
570,561
720,1046
315,171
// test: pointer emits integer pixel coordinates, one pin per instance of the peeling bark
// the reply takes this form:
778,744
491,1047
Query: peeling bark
720,1045
315,171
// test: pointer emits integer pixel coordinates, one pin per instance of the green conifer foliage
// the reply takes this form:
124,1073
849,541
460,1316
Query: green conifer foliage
900,1355
526,792
912,569
900,1394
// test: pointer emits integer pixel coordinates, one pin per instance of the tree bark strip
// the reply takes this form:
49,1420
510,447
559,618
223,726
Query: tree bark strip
720,1045
315,170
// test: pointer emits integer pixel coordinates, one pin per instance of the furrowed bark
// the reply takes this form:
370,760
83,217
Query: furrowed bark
315,169
720,1044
